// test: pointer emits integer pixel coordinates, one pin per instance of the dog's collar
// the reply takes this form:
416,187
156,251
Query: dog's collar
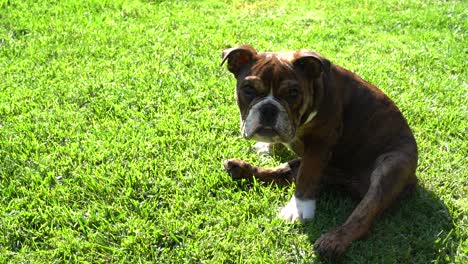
310,117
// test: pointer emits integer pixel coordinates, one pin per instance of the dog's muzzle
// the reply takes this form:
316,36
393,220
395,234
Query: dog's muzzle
268,121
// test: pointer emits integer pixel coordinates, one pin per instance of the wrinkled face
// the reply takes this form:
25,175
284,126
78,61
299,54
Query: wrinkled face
272,97
274,90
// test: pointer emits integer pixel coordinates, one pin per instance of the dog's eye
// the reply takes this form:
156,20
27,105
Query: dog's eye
292,95
249,91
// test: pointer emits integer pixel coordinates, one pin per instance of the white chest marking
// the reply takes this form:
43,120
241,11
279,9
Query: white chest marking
263,148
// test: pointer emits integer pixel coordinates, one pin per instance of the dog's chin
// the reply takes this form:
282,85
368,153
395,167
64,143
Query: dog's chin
267,139
267,135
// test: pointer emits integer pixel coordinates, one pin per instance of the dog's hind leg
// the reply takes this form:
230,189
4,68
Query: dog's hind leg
282,175
393,173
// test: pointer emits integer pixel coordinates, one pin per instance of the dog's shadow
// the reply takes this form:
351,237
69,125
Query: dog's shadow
416,229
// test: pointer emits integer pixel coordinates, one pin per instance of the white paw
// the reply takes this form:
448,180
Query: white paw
298,209
263,148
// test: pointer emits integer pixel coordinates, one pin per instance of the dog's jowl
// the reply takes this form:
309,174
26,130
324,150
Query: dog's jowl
346,132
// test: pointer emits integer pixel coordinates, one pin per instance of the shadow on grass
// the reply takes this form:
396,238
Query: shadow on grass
418,229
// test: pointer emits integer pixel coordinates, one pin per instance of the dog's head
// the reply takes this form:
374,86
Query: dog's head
275,90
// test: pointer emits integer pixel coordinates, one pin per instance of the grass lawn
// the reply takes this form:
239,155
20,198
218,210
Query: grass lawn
115,117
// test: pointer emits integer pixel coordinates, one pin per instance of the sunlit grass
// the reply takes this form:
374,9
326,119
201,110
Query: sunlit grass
115,117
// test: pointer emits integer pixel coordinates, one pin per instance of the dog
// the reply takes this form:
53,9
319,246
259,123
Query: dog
346,131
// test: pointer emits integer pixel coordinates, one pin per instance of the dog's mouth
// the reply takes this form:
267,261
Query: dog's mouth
266,132
267,121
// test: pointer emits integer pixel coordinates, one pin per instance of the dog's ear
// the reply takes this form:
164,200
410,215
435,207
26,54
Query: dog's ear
311,63
238,58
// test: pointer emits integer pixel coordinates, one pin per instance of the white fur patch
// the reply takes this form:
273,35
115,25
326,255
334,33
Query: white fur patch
263,148
298,209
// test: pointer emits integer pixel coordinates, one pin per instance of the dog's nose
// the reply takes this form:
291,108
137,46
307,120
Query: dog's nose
268,113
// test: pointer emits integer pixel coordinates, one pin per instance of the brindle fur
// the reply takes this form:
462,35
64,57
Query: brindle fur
358,140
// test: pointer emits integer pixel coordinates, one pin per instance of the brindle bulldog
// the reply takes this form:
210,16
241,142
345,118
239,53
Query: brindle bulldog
346,131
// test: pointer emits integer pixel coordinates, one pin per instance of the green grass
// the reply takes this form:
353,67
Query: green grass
115,118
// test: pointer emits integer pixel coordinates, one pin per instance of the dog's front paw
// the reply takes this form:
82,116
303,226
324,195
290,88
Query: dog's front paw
238,169
298,209
331,245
